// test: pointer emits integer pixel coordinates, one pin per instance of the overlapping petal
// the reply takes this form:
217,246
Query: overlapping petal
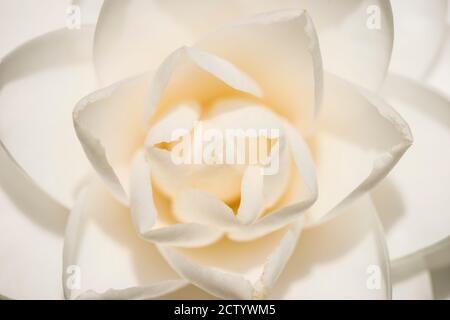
31,237
346,257
40,83
352,48
110,259
415,214
360,140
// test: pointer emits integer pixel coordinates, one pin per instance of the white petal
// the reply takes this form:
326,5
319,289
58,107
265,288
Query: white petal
280,50
89,10
418,24
111,260
200,207
355,37
338,259
414,201
252,197
31,237
109,125
23,20
423,274
342,27
236,270
360,140
222,284
148,218
294,205
40,83
438,75
183,118
192,74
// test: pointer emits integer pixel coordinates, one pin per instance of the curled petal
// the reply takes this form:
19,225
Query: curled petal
148,222
346,255
109,126
213,76
104,258
40,83
413,200
417,24
360,140
289,70
31,237
251,277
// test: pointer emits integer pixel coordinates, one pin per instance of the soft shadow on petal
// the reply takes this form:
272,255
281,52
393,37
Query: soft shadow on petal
355,36
359,140
422,178
418,24
90,10
191,74
23,20
131,28
281,51
109,126
339,259
424,274
148,218
40,82
31,237
438,75
236,270
112,261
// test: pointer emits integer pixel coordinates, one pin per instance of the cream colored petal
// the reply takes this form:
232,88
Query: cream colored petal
200,207
235,270
438,77
24,20
252,195
356,36
183,118
414,200
280,50
31,237
191,74
104,257
291,210
40,83
424,274
418,24
222,284
149,223
360,140
109,126
345,258
89,9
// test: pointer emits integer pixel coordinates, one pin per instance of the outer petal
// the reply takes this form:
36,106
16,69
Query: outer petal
23,20
424,274
31,237
339,259
109,259
40,83
413,202
418,24
110,128
342,28
438,75
89,9
359,141
193,74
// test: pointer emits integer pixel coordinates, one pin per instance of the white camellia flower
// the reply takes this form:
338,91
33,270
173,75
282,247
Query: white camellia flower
93,205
